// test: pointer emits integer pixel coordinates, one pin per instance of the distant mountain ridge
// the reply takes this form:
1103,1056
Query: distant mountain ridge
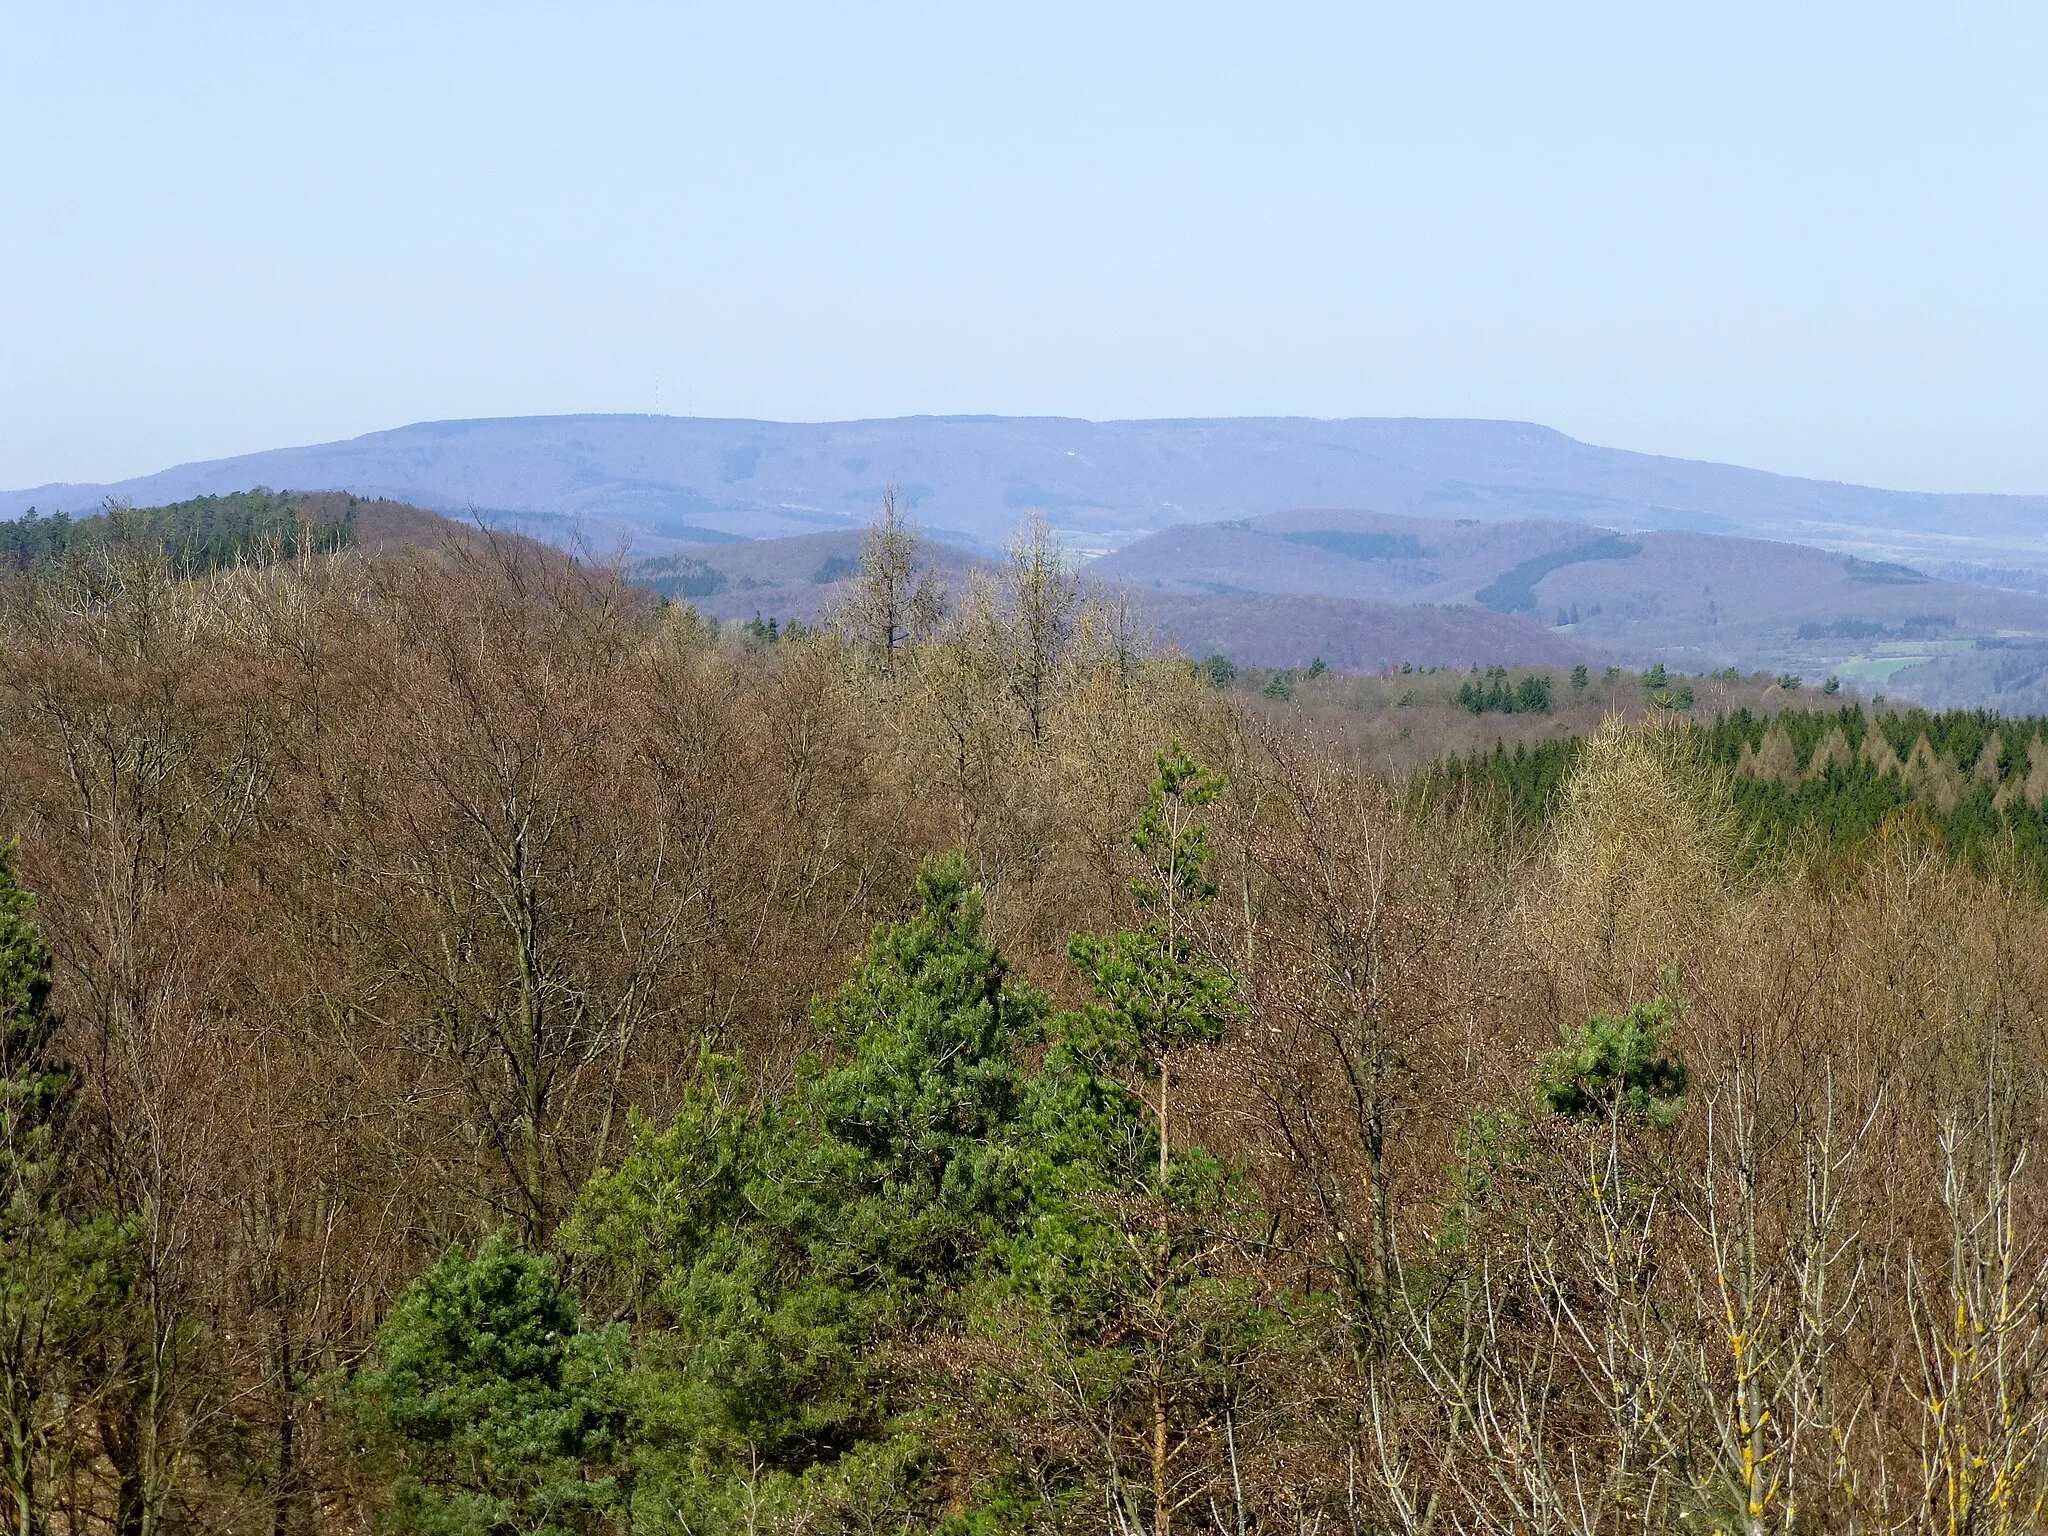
660,483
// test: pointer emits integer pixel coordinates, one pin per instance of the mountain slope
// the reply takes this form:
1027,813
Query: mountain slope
660,482
1338,554
783,579
1352,634
243,527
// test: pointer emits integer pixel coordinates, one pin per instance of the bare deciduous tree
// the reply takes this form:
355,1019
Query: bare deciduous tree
894,601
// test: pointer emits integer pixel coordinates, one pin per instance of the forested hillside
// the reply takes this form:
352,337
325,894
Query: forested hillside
255,527
484,1049
1804,778
198,535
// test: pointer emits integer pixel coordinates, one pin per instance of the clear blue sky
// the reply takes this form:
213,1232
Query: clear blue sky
1810,238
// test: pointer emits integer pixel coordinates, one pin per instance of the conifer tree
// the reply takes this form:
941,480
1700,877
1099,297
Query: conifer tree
490,1401
771,1257
1127,1266
61,1281
1617,1065
930,1087
1154,993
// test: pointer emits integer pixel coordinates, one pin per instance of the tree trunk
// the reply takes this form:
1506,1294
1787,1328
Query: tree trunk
282,1489
121,1437
1162,1507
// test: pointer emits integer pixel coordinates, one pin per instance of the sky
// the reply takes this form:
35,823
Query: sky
1804,237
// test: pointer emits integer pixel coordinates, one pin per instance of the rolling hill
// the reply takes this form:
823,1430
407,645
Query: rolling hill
800,578
207,533
1692,601
1362,591
783,579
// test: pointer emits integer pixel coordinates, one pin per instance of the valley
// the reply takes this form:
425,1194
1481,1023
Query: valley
1364,591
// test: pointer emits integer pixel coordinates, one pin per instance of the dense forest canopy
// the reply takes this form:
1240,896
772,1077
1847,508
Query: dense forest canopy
484,1050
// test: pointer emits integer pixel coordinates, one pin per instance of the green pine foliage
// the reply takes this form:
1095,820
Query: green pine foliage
1514,591
679,576
1617,1063
772,1256
30,1089
493,1405
1843,804
1154,995
1522,783
63,1275
1494,693
1121,1282
31,540
929,1087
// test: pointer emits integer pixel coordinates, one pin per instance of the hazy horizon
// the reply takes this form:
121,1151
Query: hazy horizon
1804,243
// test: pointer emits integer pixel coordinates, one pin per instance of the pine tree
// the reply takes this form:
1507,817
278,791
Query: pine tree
491,1402
1617,1065
1155,994
61,1281
929,1090
1125,1266
771,1258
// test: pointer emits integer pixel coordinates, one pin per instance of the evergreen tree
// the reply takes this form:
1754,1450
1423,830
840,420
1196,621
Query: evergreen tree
61,1281
773,1258
929,1090
1617,1064
1124,1272
1153,993
784,1266
491,1402
32,1092
202,534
